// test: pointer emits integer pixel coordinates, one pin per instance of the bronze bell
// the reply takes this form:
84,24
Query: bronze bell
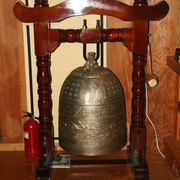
92,117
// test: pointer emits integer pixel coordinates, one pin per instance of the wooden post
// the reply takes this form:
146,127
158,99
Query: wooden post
44,92
138,127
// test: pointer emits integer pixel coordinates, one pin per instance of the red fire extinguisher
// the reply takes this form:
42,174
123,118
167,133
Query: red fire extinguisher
31,136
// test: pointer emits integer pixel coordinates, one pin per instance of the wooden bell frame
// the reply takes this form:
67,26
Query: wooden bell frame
135,39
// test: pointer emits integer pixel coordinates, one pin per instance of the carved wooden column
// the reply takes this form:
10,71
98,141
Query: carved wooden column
44,92
138,127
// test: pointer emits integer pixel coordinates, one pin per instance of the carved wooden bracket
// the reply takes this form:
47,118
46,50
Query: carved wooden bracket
69,9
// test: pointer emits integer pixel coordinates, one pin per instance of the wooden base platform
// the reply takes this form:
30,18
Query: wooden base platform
14,165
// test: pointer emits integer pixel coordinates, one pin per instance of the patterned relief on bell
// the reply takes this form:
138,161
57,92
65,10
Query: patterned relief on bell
79,111
90,91
88,131
97,72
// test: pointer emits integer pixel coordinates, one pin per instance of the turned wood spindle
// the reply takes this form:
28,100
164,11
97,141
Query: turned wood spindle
44,92
138,127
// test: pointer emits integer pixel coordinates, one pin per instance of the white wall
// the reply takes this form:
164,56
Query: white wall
66,58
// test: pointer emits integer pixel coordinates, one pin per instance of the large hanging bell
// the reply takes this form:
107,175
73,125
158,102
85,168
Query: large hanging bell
92,118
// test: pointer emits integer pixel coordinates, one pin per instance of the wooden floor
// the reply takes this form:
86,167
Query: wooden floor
14,165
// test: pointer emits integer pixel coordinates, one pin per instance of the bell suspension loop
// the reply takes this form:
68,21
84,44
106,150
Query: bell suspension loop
85,45
85,50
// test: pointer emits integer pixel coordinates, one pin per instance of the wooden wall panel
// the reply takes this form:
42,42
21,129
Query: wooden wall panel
12,75
162,99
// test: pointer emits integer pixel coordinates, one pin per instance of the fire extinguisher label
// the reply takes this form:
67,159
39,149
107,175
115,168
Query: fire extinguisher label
26,135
